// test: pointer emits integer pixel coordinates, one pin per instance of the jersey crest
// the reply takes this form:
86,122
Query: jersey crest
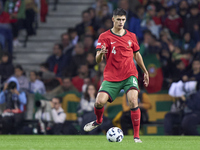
129,43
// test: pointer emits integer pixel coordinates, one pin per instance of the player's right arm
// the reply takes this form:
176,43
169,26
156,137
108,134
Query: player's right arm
100,53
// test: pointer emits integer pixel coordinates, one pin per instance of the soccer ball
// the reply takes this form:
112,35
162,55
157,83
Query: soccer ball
114,134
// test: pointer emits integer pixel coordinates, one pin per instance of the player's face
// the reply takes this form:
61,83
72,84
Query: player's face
119,21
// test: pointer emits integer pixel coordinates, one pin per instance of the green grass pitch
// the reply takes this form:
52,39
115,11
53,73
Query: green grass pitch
39,142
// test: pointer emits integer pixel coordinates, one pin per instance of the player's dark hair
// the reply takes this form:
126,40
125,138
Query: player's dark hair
119,12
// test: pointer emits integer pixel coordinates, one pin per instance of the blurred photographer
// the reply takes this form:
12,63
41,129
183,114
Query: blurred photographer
58,116
43,115
185,112
14,100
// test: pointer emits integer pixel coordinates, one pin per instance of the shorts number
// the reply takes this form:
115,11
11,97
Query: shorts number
113,50
134,82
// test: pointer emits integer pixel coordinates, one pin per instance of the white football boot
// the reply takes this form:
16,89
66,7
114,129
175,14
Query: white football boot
90,126
136,140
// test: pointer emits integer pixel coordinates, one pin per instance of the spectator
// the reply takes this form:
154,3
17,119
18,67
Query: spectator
91,62
12,116
21,78
86,82
6,67
107,23
67,47
88,99
156,3
177,70
89,44
46,74
55,5
66,86
146,43
193,19
129,14
143,103
135,21
186,113
16,10
5,30
196,50
166,40
196,33
98,79
183,10
98,5
160,17
66,43
87,102
58,116
93,15
87,108
31,11
78,80
148,21
57,61
35,85
73,36
4,16
86,21
43,10
187,43
150,44
194,74
174,23
103,12
77,59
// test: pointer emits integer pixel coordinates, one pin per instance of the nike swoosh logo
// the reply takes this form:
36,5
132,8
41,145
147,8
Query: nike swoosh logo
136,119
113,42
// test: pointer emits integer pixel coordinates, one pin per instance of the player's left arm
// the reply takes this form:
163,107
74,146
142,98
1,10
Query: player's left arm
139,60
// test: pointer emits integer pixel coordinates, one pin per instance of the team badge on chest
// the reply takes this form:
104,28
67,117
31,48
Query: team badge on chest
129,44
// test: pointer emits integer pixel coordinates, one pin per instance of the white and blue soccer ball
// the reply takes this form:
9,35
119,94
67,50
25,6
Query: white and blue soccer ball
114,134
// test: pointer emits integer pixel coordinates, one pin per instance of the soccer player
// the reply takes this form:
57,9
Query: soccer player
119,47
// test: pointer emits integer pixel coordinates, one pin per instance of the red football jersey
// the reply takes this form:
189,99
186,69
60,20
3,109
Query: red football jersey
120,64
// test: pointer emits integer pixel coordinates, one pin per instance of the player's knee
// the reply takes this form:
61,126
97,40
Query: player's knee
133,100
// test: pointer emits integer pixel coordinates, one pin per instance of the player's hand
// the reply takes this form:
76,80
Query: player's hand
103,49
146,79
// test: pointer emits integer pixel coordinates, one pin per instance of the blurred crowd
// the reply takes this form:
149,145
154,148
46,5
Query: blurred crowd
16,15
167,30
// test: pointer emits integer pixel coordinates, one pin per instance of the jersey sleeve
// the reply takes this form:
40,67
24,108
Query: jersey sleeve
135,45
101,41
